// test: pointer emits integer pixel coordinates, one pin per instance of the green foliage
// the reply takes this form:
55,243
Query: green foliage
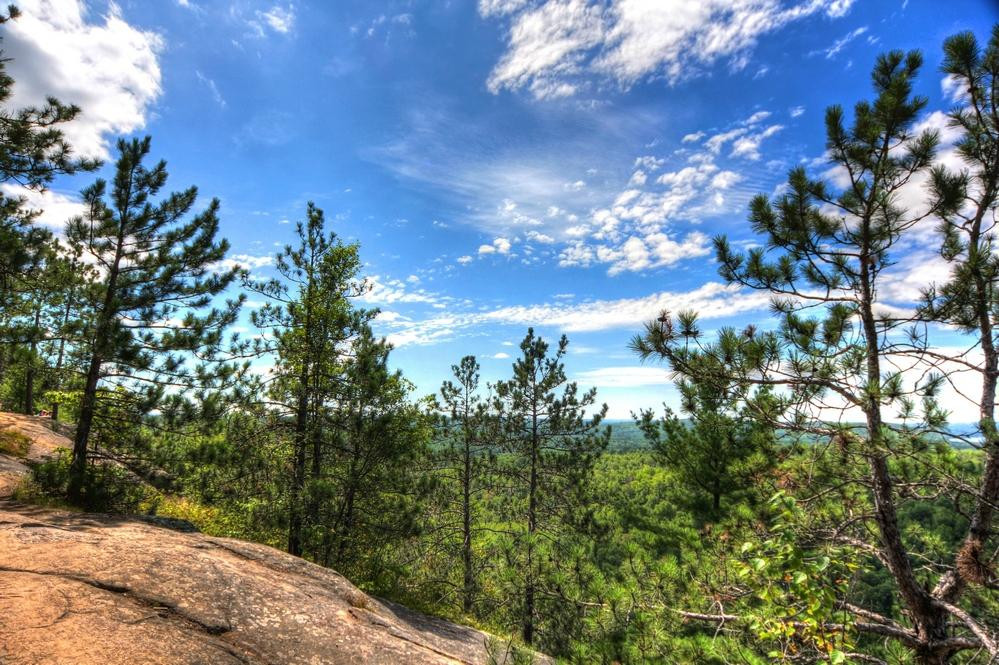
108,487
14,443
798,590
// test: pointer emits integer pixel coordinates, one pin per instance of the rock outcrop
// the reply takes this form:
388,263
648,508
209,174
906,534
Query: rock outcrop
44,444
98,589
81,588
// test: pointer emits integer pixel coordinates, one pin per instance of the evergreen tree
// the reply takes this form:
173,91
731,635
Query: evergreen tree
312,324
718,453
554,445
836,351
158,273
970,300
466,458
33,151
371,486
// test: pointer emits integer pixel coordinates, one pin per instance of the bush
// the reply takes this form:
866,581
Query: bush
14,443
107,487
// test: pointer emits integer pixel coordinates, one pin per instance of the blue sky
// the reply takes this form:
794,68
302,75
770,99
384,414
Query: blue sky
503,163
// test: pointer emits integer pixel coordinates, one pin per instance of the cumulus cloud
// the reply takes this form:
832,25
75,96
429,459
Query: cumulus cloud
555,46
638,231
54,208
99,62
388,291
498,246
748,146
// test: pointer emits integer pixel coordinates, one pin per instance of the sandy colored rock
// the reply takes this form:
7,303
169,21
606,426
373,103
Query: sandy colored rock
92,589
44,444
82,588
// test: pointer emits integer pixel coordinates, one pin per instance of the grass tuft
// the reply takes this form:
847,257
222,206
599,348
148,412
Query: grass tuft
14,443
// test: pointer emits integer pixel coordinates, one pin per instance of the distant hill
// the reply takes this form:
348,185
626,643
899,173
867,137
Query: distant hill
625,437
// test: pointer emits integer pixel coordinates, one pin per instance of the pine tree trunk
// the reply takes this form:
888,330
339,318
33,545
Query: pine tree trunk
968,559
298,470
29,375
466,507
88,404
532,508
100,342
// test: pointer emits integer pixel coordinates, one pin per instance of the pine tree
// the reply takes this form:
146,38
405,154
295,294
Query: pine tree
372,489
827,252
33,151
969,301
554,444
312,324
718,453
465,457
152,308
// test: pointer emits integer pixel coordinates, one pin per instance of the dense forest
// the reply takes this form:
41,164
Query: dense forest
806,502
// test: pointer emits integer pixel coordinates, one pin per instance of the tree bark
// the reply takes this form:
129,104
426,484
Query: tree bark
29,375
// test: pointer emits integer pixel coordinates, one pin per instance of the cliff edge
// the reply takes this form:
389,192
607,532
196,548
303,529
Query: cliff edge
99,589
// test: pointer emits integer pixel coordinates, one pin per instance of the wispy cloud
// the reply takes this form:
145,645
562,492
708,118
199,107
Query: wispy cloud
279,19
624,377
712,300
555,48
212,88
841,43
542,199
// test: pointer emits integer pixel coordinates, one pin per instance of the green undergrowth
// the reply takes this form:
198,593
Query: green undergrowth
14,443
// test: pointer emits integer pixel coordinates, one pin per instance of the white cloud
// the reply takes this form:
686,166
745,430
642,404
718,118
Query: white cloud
501,355
499,245
651,163
725,179
796,111
542,238
247,261
382,291
693,138
757,117
280,19
499,7
953,89
55,208
525,194
749,146
107,67
624,377
464,260
842,42
712,300
212,88
555,46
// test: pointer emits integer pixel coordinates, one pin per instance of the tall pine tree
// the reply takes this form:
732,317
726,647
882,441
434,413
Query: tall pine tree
553,443
152,308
